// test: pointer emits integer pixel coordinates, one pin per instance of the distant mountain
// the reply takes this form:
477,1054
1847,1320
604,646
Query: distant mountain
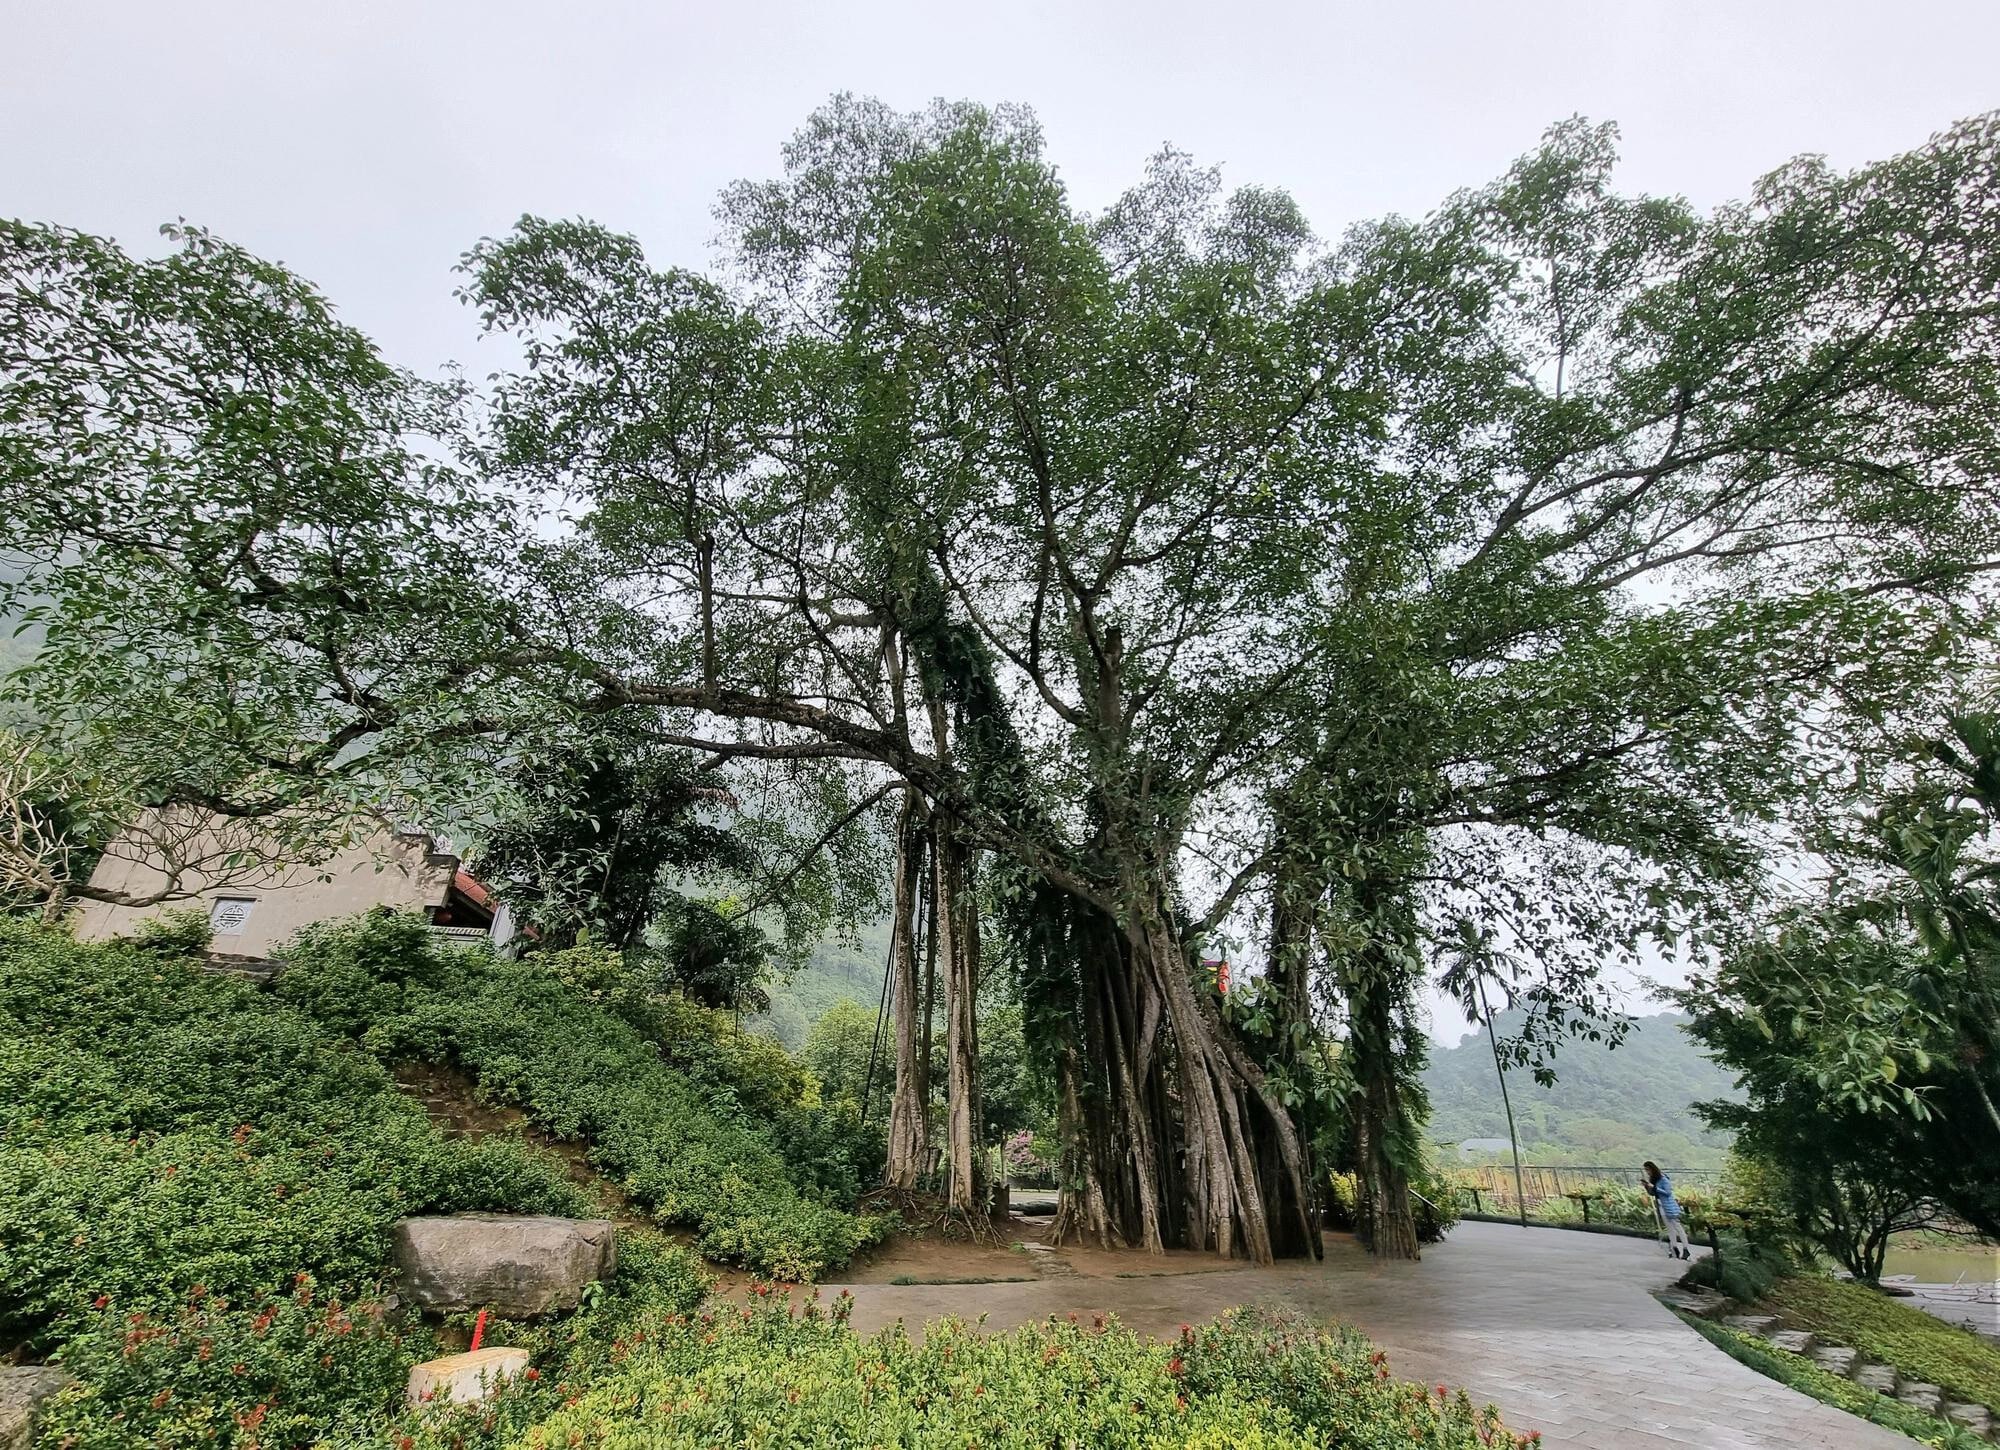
839,970
1610,1106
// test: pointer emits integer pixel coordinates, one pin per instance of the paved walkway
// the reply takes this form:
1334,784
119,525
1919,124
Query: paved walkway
1560,1330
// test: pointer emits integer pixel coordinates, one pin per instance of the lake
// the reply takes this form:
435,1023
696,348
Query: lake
1943,1263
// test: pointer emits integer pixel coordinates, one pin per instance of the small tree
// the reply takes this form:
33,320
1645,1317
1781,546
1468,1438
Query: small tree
837,1049
1839,1180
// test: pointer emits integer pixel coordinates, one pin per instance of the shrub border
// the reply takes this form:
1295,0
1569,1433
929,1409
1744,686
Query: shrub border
1798,1373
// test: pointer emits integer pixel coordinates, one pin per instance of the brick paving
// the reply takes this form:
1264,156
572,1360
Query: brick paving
1560,1330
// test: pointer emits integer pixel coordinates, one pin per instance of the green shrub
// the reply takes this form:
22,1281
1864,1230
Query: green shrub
1917,1345
162,1128
362,969
1435,1218
1435,1204
294,1370
183,933
707,1127
1743,1268
774,1374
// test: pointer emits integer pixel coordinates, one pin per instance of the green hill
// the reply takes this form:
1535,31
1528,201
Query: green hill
841,969
1611,1106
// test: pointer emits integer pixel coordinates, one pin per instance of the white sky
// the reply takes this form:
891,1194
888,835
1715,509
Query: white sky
367,145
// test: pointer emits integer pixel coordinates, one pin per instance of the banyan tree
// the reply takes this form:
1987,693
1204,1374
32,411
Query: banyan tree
1476,595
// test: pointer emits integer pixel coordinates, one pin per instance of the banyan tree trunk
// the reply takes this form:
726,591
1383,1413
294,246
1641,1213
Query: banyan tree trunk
958,959
1170,1134
909,1127
1232,1206
1380,1119
1111,1100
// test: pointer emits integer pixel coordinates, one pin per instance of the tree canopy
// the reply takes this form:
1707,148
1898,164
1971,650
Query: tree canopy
1486,593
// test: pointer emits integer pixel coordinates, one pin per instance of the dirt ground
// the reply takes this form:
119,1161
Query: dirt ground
936,1259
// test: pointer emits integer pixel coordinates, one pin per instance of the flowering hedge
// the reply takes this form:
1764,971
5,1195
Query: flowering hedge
779,1374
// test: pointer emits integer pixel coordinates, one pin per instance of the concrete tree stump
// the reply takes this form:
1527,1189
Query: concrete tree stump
462,1379
518,1266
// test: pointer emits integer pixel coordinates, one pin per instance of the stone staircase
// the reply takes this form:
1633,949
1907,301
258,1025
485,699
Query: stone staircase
1837,1359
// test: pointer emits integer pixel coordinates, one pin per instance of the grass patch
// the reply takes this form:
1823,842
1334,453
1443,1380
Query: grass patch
1917,1345
1808,1378
904,1281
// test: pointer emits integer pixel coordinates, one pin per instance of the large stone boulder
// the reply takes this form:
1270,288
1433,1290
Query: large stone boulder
22,1390
515,1265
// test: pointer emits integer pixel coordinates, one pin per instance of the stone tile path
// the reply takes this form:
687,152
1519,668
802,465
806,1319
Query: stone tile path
1558,1329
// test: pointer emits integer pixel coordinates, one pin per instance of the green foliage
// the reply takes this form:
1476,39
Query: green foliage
301,1369
164,1128
1917,1345
1435,1204
174,934
797,1376
361,973
1866,1025
717,959
592,830
658,1091
1744,1267
1608,1105
837,1049
1803,1375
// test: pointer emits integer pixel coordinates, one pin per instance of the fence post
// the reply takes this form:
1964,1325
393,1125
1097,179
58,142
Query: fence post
1476,1208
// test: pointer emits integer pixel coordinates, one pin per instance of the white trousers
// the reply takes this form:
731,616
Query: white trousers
1677,1234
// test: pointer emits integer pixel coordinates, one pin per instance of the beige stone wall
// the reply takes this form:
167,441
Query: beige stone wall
385,870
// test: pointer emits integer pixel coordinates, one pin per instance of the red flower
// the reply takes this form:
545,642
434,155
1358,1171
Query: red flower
1175,1366
160,1400
531,1373
102,1301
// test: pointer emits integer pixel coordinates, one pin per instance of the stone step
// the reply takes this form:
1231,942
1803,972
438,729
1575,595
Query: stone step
1796,1341
1835,1358
1976,1418
1694,1301
1928,1398
1758,1324
1877,1377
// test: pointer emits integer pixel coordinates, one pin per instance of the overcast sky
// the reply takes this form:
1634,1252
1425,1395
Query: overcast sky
367,145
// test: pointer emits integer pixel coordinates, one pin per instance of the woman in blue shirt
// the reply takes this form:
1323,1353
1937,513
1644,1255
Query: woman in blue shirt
1661,1188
